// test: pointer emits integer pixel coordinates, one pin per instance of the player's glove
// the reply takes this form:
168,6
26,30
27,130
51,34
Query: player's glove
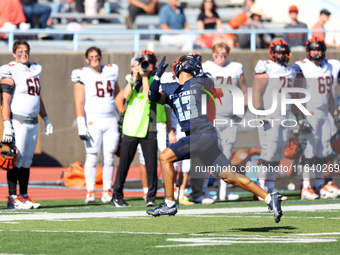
161,69
305,126
196,65
48,126
8,132
83,132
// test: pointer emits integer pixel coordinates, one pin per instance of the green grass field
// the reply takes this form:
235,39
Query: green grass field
243,227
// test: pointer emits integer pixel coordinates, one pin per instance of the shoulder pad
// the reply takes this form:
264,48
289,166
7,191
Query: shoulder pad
261,67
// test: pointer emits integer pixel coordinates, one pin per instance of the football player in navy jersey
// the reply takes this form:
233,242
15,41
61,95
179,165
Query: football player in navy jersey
186,98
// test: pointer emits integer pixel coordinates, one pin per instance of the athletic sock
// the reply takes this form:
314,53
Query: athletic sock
12,179
270,185
180,194
24,176
169,203
318,183
145,190
205,188
305,177
222,190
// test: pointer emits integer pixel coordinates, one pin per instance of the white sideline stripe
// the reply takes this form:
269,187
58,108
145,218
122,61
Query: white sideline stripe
263,216
51,216
202,237
319,234
229,241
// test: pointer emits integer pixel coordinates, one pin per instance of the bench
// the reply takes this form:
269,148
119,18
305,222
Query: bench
113,17
152,21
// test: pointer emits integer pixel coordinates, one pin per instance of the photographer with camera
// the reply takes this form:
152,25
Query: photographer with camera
139,127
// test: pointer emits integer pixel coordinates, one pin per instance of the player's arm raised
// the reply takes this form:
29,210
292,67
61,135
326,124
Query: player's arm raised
154,94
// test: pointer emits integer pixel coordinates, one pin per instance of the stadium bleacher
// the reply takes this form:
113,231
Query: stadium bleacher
115,21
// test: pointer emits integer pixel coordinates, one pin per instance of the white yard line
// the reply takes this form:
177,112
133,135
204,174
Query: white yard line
184,212
195,240
193,236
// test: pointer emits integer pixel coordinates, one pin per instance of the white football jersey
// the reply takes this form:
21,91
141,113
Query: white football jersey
99,89
336,69
318,82
168,77
223,76
279,77
26,95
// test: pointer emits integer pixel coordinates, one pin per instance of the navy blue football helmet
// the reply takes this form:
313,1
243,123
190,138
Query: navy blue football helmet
187,63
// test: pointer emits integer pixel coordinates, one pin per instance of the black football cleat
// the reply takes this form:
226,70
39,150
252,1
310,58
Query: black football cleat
275,206
162,209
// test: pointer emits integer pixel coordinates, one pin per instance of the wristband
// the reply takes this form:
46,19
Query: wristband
81,121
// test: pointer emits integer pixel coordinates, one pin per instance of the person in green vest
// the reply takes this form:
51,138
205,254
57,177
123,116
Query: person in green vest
139,127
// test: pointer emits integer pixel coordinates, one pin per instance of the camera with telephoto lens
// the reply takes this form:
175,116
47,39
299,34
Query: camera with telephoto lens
142,61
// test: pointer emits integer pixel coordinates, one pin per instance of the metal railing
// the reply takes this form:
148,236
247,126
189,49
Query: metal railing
138,33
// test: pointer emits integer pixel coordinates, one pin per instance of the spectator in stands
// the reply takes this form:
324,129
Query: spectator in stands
295,40
80,6
60,6
255,22
247,5
323,18
138,7
171,16
33,9
12,16
63,6
209,19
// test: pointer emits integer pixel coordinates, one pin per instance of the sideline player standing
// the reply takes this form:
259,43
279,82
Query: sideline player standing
95,89
315,74
271,76
225,73
201,140
20,106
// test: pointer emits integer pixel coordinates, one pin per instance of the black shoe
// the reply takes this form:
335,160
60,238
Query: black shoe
119,202
275,206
